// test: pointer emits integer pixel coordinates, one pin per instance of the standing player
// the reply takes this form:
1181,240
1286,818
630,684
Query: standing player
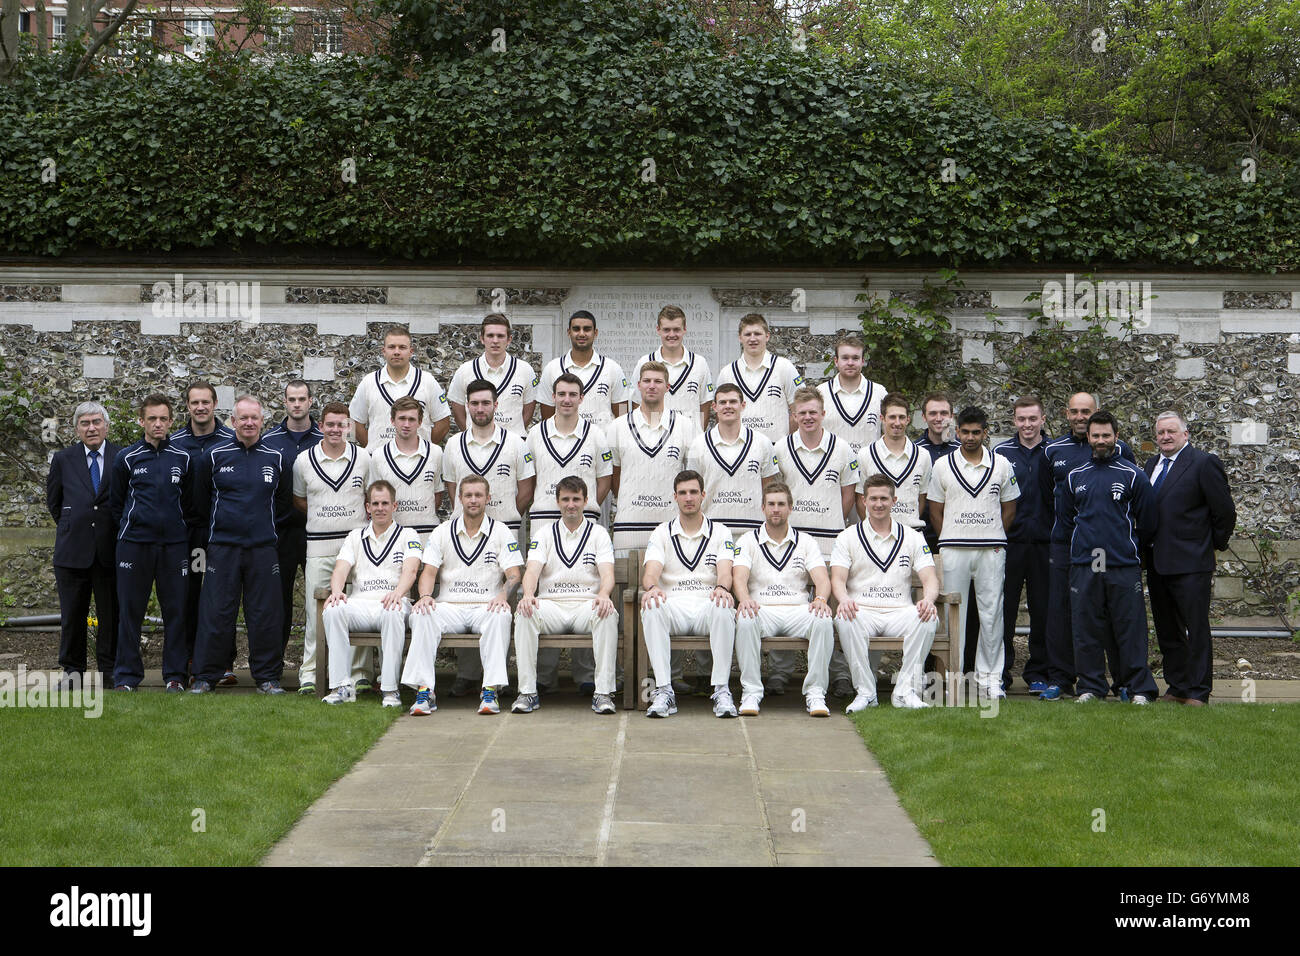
649,447
768,382
736,463
690,386
567,584
1106,509
381,560
1064,454
413,466
604,385
822,474
1027,541
202,432
398,378
290,438
902,461
936,408
242,488
329,490
514,379
475,561
151,494
852,400
773,570
871,578
972,501
686,584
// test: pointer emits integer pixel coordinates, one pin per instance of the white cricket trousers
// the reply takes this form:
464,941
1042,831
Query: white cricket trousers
357,614
427,628
795,620
855,638
317,575
687,615
988,566
566,617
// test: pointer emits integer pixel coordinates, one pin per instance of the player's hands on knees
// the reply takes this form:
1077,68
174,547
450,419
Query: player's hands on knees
425,605
527,605
392,601
499,603
604,606
819,608
653,598
848,610
722,597
926,610
336,597
748,608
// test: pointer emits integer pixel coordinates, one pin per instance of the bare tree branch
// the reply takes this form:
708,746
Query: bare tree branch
104,36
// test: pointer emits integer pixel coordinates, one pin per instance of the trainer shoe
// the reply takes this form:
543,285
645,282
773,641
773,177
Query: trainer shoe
663,704
1141,700
175,687
776,686
1122,694
270,687
228,679
723,705
1038,687
604,704
461,687
1085,697
392,698
126,687
815,704
861,702
201,687
908,700
425,703
363,686
842,688
1051,692
587,688
344,694
487,701
307,689
994,691
749,705
525,704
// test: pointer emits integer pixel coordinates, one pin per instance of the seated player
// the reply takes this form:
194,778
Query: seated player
381,560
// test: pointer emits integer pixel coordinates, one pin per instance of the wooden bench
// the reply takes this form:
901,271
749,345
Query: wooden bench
944,648
622,596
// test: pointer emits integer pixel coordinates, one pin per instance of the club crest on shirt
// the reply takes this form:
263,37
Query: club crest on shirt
693,388
602,389
517,391
268,474
832,476
904,561
586,461
674,452
176,476
775,391
503,471
588,558
752,466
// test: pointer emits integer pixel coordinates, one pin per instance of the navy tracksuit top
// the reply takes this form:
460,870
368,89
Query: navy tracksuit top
290,445
244,489
151,493
1063,455
1107,504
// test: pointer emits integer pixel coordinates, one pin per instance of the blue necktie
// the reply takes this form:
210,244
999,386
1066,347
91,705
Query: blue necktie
94,470
1164,470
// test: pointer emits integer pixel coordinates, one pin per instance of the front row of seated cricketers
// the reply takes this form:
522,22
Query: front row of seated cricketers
695,580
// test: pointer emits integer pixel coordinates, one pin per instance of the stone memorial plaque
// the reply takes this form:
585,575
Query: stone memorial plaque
625,319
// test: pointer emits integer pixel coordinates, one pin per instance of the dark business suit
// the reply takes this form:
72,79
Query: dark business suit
84,562
1196,519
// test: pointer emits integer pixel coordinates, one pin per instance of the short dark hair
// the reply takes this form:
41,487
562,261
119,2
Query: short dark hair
296,383
1027,401
474,480
201,383
157,398
494,318
936,397
568,378
399,330
335,408
729,387
972,415
778,488
481,385
687,475
879,481
581,314
570,483
406,403
1103,417
892,399
380,484
852,340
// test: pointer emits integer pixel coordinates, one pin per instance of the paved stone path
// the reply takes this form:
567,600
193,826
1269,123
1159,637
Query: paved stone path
565,787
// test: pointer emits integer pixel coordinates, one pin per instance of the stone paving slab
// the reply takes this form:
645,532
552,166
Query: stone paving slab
563,787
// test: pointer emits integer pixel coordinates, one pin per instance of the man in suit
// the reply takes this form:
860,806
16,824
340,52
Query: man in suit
77,495
1196,519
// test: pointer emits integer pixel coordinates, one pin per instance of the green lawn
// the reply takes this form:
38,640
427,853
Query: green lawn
1215,786
121,790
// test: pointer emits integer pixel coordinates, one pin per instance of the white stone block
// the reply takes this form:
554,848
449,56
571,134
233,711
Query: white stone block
1189,368
1248,433
1016,299
165,324
318,369
1198,332
977,351
1293,363
226,398
351,324
120,294
406,295
97,366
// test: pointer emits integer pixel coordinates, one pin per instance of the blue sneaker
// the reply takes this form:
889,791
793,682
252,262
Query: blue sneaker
425,703
1050,692
1038,687
1123,695
488,701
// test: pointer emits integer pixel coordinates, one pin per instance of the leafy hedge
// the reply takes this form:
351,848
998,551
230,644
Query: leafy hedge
536,155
